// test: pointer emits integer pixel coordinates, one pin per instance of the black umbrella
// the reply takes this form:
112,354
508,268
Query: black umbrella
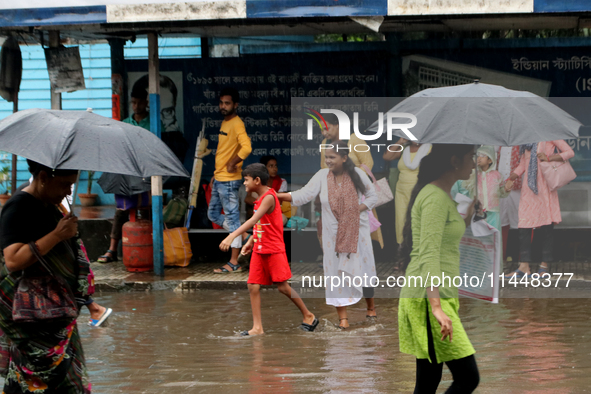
80,140
126,185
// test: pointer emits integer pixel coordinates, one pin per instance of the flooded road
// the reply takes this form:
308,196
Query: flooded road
164,342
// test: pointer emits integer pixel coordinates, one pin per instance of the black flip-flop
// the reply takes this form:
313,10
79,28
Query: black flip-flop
108,259
244,334
309,327
224,270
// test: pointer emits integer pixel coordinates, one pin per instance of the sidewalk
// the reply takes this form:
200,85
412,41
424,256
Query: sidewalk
199,276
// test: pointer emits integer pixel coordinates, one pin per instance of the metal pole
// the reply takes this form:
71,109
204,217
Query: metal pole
155,127
118,79
14,157
56,98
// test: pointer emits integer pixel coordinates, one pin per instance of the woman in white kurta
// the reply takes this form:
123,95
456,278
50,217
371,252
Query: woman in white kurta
348,265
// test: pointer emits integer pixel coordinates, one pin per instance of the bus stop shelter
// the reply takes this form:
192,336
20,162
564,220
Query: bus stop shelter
59,21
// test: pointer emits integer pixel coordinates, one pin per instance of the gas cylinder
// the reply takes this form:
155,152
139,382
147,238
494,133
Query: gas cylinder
137,245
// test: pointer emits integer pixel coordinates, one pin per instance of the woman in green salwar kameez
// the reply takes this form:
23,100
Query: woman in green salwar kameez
429,324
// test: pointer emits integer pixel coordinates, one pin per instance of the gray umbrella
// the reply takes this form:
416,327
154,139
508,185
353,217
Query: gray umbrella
484,114
81,140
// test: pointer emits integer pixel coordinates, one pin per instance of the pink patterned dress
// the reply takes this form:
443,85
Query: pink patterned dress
541,209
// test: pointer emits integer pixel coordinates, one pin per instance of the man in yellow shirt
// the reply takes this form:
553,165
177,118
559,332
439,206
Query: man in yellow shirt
233,148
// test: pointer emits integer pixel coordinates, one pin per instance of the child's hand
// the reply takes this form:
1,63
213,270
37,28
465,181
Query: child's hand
246,249
226,243
479,208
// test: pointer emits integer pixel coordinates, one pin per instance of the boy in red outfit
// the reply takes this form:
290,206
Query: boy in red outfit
268,264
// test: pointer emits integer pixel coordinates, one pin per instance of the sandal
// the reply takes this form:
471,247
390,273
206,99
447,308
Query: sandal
543,270
102,319
517,274
108,259
244,333
371,317
309,327
224,270
341,327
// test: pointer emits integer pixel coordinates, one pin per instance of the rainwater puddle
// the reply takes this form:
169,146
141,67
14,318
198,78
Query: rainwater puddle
164,342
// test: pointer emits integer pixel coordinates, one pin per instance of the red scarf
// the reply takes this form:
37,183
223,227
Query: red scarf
515,157
276,183
344,204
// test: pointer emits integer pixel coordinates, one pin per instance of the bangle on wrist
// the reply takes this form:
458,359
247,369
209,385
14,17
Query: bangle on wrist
37,247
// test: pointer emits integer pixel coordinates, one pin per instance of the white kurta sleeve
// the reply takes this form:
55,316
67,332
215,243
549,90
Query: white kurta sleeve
371,198
283,187
308,192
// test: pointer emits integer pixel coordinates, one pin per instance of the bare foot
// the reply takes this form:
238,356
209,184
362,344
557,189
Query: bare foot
371,313
254,331
344,322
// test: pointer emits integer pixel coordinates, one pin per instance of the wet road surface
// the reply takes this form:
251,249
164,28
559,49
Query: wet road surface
165,342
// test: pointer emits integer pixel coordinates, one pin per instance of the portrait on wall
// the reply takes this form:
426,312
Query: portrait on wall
171,107
171,97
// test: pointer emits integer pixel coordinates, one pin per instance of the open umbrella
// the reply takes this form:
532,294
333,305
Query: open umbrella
126,185
484,114
80,140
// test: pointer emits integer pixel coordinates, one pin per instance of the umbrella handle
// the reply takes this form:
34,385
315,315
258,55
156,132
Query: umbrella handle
75,194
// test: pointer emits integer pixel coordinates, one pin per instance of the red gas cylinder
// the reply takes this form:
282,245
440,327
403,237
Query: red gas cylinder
137,245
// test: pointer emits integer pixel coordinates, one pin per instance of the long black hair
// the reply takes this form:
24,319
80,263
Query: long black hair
342,149
432,167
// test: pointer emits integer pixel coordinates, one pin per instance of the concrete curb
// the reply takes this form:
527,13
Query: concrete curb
114,286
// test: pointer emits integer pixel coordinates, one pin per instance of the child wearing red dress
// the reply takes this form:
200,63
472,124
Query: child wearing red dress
268,264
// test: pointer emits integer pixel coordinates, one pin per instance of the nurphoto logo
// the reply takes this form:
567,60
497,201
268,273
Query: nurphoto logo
345,128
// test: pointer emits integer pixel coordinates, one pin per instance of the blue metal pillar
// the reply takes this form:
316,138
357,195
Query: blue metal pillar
155,127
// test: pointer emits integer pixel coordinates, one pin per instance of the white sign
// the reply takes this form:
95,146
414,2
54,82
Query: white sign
447,7
35,4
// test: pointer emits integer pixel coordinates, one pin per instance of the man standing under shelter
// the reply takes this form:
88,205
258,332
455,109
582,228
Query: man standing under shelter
233,148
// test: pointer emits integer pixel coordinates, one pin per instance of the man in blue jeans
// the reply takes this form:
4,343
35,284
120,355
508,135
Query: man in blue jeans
233,148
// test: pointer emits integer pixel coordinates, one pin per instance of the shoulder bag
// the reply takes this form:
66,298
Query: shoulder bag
557,174
45,297
382,188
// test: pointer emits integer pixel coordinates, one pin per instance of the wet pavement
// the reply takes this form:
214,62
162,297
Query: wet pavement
164,342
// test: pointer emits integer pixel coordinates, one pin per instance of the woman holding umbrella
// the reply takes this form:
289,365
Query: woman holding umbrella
429,325
47,354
